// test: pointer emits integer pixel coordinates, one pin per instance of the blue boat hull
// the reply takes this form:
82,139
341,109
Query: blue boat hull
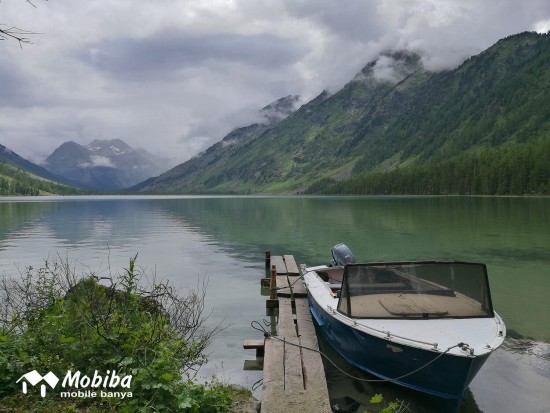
447,377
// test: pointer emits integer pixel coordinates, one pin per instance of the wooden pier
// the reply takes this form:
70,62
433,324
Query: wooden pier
294,377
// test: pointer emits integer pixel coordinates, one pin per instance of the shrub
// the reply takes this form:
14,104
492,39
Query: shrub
53,320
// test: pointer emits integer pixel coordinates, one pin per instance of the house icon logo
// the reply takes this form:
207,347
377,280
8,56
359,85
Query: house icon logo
34,378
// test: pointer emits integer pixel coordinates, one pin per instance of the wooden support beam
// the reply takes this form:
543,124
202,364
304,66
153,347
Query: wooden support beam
257,345
267,260
269,303
253,343
253,365
273,284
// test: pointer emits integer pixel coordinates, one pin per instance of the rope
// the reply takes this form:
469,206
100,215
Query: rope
257,385
287,286
269,335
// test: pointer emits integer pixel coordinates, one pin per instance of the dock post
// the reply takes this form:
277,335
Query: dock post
267,260
273,301
273,283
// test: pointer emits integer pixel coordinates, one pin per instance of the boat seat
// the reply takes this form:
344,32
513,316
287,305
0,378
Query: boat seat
335,288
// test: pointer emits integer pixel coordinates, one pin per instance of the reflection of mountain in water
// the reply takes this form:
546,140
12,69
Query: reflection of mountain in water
394,229
375,228
16,216
438,226
188,232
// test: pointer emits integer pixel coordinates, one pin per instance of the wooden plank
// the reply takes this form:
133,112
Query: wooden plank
315,382
304,320
279,264
291,267
294,381
285,325
257,345
283,386
253,343
283,289
314,370
298,287
273,385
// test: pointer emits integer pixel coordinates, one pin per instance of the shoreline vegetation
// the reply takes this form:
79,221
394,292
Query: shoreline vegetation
128,326
15,181
519,171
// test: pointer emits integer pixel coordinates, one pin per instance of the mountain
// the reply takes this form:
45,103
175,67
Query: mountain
104,165
10,157
483,127
197,173
19,176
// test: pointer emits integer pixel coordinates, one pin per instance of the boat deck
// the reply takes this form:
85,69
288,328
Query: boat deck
414,305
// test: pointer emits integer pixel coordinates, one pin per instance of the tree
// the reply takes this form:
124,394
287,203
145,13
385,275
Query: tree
16,33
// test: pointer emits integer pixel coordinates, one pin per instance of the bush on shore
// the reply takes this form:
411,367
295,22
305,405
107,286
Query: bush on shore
51,319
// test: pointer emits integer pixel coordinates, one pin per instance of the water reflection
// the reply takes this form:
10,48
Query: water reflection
361,387
224,238
515,378
510,235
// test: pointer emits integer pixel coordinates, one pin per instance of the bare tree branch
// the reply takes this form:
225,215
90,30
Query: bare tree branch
7,32
13,32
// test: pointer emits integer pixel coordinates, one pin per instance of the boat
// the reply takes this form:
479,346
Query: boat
425,325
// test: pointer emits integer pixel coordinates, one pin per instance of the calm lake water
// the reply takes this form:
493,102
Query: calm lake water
223,239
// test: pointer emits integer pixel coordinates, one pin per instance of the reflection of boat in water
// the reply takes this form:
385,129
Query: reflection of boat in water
428,325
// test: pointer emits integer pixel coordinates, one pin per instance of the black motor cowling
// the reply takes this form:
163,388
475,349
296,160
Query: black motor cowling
342,255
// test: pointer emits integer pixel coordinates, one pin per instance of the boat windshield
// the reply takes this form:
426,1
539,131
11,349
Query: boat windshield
415,290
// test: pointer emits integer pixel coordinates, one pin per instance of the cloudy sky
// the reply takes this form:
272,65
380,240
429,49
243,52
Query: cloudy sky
174,76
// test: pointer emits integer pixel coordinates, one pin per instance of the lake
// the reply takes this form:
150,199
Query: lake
186,239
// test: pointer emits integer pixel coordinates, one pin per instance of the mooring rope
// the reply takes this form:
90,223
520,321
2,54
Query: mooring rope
269,335
287,286
257,385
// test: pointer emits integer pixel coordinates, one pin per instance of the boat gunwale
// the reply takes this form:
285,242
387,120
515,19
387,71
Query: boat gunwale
496,341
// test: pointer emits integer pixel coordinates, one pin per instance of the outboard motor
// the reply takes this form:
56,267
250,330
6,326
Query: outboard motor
341,255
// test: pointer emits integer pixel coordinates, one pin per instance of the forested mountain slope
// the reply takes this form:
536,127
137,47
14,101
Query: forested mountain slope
19,176
396,128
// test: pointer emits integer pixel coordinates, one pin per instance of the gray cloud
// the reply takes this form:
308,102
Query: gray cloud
176,76
352,21
16,87
170,50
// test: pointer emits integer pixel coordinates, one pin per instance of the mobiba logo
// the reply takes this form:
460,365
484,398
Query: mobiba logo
75,384
33,378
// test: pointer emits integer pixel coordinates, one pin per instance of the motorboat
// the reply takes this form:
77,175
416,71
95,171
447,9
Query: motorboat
425,325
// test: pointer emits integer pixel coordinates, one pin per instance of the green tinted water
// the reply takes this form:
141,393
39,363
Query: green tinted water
224,238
